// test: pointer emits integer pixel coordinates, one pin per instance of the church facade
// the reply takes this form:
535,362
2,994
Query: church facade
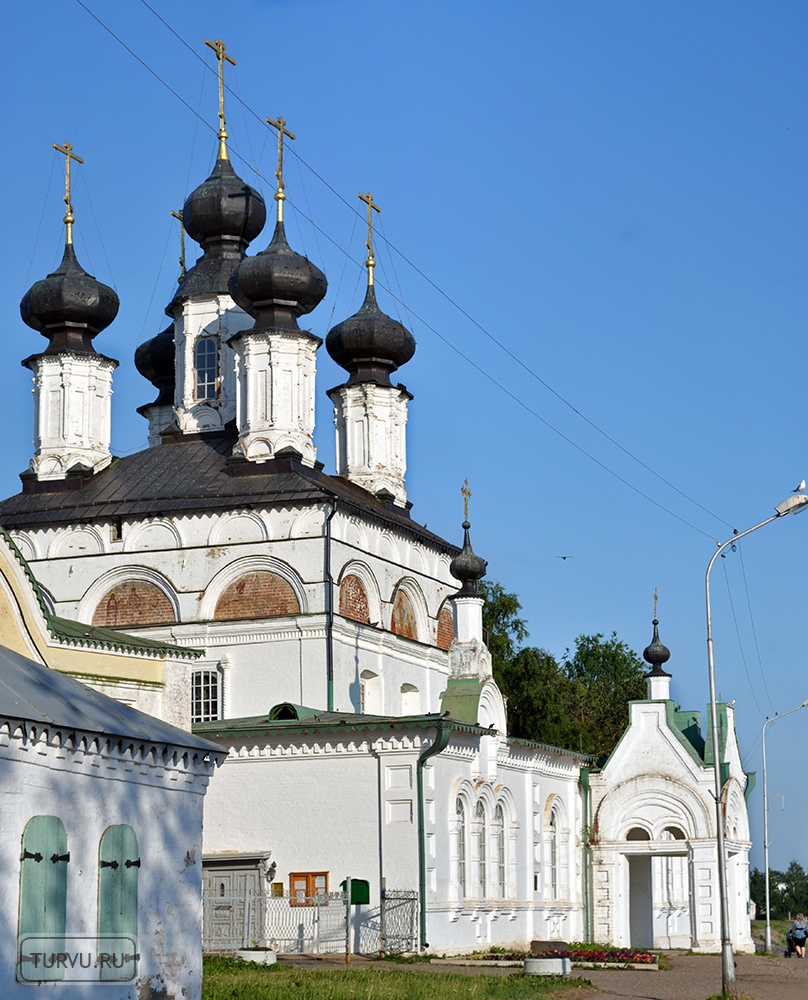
339,661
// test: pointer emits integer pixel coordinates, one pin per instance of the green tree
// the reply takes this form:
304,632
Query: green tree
505,631
605,675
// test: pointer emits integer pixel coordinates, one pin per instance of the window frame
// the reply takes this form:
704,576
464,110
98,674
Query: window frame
207,383
201,716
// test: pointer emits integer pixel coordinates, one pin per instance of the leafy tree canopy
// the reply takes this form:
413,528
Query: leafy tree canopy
788,892
580,703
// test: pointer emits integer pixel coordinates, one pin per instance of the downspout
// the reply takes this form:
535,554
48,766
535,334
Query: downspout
585,787
329,625
442,737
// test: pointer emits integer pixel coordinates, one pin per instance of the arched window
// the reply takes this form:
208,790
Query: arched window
43,897
206,365
637,833
410,699
552,855
498,842
370,693
118,867
461,848
481,851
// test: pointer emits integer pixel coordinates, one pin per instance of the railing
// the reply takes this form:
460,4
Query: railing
294,925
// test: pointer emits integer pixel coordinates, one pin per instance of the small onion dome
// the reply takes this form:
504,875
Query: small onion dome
277,285
656,654
155,362
468,568
69,307
369,344
223,215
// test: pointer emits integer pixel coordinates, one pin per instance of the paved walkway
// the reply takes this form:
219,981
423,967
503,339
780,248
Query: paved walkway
690,977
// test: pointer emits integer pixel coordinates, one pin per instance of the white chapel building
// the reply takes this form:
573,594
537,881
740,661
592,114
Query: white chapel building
343,666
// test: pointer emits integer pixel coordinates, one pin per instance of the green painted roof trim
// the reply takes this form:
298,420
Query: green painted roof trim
326,722
534,745
461,699
286,711
78,634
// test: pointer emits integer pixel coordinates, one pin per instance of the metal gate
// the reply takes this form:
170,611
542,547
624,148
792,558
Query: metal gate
399,920
288,924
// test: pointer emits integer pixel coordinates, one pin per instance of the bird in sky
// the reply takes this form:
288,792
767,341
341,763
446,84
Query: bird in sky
800,488
563,557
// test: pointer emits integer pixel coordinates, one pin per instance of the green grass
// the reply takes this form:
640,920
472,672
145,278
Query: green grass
779,931
229,979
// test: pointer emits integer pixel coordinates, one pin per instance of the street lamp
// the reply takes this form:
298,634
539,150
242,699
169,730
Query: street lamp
766,821
791,505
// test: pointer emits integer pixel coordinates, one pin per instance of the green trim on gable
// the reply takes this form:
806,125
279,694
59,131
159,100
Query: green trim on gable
77,633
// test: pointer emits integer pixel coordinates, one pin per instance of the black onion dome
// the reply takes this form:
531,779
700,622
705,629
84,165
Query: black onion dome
224,214
369,344
468,568
278,285
656,654
155,361
69,307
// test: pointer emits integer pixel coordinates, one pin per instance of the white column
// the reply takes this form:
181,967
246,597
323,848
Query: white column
371,422
658,687
72,404
468,618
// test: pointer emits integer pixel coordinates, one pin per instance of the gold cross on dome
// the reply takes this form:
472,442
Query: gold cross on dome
655,601
67,149
466,497
371,204
280,197
183,272
220,49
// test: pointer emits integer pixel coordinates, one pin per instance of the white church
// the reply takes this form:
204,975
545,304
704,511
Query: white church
340,660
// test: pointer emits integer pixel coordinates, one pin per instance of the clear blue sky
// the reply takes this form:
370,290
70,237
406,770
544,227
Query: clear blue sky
614,190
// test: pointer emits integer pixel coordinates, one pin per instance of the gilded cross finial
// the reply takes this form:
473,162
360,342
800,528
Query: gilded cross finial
183,272
466,497
67,149
220,49
655,602
371,204
280,197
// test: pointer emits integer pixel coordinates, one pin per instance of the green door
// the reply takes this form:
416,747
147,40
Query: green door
43,898
118,867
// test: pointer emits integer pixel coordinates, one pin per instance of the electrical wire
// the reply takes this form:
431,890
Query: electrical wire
39,227
738,634
448,298
754,631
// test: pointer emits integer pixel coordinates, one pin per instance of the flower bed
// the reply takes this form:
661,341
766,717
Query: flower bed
606,956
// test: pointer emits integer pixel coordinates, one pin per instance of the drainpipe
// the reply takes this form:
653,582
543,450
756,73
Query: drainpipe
442,737
585,787
329,626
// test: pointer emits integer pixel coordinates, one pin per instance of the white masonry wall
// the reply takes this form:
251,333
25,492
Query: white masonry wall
72,402
193,559
371,423
275,384
365,782
91,787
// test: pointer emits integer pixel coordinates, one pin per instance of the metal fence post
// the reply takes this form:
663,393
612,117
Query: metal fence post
382,894
245,930
347,920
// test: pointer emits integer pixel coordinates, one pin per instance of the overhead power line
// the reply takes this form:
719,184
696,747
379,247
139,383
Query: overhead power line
449,299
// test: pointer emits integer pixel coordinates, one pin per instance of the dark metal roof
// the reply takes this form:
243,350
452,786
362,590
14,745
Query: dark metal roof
327,722
32,693
192,473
